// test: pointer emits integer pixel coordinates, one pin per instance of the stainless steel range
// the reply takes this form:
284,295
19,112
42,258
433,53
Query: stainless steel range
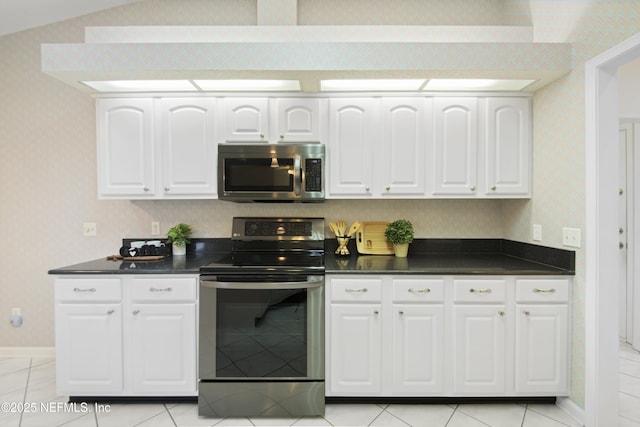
261,329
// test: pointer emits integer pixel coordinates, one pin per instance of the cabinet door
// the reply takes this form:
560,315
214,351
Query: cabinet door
402,160
298,119
89,349
163,348
188,147
126,165
355,364
418,349
246,119
542,339
351,146
508,147
455,146
479,349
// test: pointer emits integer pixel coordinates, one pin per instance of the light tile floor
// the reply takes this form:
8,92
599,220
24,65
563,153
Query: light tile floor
26,383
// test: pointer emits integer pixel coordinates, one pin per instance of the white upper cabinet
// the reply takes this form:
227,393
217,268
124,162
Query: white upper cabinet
454,160
189,150
508,147
297,120
402,159
126,152
350,147
246,119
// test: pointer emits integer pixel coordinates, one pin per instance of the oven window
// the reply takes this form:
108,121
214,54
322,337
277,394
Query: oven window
274,175
261,333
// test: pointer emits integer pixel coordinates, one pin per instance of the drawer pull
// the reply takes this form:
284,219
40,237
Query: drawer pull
136,312
526,313
481,291
160,290
401,312
376,312
110,312
501,313
356,291
84,290
419,291
546,291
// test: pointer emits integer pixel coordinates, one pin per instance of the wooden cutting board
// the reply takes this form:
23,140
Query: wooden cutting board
370,239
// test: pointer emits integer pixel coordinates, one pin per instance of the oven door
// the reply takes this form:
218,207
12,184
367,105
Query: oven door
261,327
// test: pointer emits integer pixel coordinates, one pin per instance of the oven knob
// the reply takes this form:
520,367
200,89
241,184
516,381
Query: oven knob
280,230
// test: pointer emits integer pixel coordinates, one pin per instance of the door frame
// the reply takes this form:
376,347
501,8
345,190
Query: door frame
601,299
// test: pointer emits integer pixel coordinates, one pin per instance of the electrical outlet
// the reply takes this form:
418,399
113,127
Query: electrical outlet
155,228
537,232
572,237
16,317
89,229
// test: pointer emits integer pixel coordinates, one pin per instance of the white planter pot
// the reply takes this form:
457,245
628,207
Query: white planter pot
401,250
178,250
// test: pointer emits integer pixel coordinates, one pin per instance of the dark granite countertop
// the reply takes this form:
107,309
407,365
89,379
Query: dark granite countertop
199,252
426,256
456,256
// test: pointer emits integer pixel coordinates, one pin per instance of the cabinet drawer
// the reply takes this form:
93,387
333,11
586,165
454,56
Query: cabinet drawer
88,290
418,290
479,290
542,290
365,290
177,289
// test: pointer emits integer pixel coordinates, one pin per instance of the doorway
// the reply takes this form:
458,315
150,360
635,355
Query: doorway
602,257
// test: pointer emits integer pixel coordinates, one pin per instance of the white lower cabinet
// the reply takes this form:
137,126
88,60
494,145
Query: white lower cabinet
126,336
447,335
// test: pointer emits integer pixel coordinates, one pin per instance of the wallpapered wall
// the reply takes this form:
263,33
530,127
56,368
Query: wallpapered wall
48,155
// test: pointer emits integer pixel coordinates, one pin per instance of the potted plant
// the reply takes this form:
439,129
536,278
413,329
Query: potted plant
178,235
400,234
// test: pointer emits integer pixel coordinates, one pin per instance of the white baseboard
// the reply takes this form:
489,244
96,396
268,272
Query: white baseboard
571,408
27,352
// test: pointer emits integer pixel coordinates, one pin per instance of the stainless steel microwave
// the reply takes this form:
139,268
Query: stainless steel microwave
284,172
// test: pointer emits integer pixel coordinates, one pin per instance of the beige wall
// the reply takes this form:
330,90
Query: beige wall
48,156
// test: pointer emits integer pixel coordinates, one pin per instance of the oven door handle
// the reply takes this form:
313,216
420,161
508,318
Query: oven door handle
314,282
297,175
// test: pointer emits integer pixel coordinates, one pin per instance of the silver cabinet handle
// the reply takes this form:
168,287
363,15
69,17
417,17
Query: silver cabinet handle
621,245
419,291
167,189
160,290
281,136
84,290
544,291
401,312
146,189
366,189
481,291
356,291
376,312
388,187
473,188
493,188
525,312
110,312
135,312
262,136
501,313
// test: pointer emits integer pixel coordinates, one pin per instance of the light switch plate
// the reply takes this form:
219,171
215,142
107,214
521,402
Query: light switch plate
89,229
537,232
155,228
572,237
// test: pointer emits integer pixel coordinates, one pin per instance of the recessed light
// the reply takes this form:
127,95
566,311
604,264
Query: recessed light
477,84
370,84
140,85
248,85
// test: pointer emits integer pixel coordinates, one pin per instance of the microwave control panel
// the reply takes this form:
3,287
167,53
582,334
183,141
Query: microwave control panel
313,175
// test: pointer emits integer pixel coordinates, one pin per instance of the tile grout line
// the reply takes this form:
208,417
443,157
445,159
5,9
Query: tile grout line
451,416
170,416
524,415
26,389
377,416
394,416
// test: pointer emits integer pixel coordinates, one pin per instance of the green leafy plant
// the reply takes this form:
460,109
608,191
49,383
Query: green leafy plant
179,234
399,231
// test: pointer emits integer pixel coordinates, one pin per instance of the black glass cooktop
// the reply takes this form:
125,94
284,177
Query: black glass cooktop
267,261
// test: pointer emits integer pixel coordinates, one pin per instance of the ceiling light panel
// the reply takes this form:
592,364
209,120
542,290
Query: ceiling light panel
141,85
477,84
371,84
244,85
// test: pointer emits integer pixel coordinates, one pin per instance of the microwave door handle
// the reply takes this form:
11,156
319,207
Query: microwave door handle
297,175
